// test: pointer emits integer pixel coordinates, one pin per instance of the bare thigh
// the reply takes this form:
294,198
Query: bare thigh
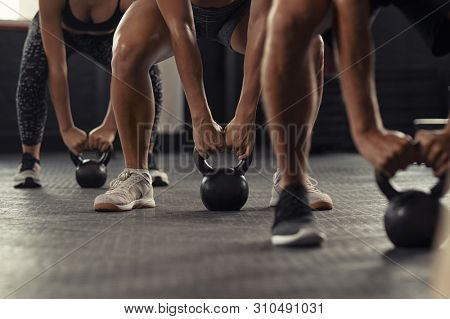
304,17
239,36
254,19
142,36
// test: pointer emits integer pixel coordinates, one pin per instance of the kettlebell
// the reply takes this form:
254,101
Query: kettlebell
223,189
412,216
91,173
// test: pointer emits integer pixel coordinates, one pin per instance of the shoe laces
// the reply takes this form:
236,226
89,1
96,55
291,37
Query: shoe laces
115,183
311,184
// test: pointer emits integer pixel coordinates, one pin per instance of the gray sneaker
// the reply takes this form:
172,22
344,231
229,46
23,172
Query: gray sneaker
317,199
131,189
27,174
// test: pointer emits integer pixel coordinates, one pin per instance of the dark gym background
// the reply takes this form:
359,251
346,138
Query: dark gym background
411,82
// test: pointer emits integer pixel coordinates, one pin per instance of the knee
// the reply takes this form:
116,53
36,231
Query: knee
283,22
300,19
128,58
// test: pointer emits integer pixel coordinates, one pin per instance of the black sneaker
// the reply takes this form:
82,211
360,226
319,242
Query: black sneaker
27,175
159,177
294,225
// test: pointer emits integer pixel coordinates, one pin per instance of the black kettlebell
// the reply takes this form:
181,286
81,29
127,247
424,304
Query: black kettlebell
412,216
223,189
91,173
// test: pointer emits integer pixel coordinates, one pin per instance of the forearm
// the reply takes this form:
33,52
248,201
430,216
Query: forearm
59,91
55,51
189,63
251,84
110,120
256,35
357,65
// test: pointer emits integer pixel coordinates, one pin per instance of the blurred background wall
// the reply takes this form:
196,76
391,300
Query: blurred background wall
411,82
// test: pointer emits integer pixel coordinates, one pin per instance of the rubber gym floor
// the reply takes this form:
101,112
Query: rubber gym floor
53,245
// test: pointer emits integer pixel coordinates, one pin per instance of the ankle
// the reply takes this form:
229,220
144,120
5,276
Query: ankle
287,181
33,150
136,164
30,157
138,170
295,189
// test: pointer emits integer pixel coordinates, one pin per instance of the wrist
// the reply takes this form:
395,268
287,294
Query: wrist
201,116
63,128
109,125
64,118
361,134
246,113
367,123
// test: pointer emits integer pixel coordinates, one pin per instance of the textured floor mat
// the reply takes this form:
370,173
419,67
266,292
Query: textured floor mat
53,245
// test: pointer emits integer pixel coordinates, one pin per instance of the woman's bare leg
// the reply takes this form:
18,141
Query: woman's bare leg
142,40
291,84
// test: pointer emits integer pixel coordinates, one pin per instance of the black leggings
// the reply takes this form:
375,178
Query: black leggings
31,91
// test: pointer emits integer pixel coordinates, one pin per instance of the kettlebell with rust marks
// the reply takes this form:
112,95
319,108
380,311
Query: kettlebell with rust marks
223,189
91,173
412,216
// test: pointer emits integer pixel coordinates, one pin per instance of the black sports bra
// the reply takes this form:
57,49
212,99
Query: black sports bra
72,22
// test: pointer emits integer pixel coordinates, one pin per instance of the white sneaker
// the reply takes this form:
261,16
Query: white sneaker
159,177
317,199
131,189
27,174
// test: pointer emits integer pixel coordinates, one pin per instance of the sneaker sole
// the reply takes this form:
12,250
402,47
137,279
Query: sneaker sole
303,238
139,204
321,205
29,182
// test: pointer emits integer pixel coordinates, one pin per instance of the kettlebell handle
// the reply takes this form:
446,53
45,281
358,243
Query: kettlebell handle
104,158
385,185
440,188
76,159
244,164
201,164
205,168
390,191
